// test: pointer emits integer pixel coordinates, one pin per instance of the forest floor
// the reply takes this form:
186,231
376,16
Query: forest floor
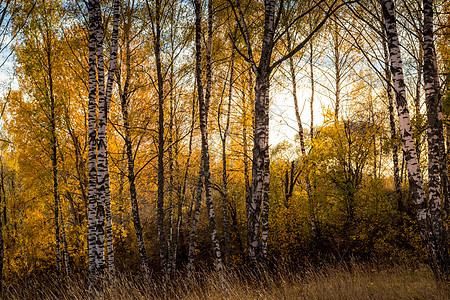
349,281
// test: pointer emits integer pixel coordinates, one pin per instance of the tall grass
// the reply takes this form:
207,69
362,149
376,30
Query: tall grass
343,281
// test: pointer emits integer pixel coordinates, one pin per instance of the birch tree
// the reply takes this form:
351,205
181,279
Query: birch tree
99,185
259,202
92,140
203,115
125,94
160,90
409,150
437,162
101,145
104,143
223,137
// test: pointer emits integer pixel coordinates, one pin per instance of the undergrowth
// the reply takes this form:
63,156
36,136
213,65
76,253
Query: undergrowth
341,281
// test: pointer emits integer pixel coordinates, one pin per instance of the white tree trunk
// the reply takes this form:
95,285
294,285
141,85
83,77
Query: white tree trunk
195,217
203,112
409,150
109,86
437,165
92,140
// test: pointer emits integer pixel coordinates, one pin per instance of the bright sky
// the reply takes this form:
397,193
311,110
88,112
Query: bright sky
283,124
6,72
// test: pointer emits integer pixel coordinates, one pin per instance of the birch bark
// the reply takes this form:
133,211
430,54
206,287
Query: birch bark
409,150
259,192
265,206
418,116
245,141
203,113
92,139
101,144
437,165
195,218
109,86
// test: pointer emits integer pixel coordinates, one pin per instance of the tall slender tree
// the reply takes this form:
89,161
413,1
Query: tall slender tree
54,143
204,102
223,137
92,132
409,150
104,143
437,162
156,29
258,206
125,95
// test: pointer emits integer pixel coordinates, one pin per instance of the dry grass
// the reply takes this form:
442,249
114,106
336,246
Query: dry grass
351,281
